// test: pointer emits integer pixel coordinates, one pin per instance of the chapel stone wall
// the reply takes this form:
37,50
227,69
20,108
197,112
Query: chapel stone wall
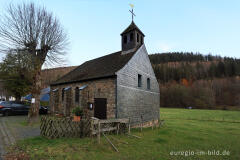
101,88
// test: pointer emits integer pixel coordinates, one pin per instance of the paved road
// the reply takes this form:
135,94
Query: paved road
12,128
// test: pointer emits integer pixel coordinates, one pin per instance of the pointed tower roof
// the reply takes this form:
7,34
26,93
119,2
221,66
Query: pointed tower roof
131,27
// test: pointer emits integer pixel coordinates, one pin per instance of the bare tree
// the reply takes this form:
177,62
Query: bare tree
38,32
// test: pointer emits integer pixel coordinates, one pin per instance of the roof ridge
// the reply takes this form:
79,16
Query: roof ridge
84,63
100,67
104,56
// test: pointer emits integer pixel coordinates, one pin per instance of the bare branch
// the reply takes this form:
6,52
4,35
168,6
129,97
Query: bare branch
32,28
37,33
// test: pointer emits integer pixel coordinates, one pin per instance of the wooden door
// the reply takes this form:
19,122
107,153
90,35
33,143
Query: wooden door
100,108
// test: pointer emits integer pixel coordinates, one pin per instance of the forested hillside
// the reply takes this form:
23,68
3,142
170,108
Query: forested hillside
176,66
196,80
51,75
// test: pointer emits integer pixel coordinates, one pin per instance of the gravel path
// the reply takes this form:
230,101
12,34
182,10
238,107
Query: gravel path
12,128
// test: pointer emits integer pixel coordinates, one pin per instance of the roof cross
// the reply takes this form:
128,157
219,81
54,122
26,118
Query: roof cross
131,11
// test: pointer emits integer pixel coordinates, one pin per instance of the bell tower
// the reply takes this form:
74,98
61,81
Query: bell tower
132,36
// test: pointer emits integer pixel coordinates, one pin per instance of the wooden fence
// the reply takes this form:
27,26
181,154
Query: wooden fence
117,126
56,127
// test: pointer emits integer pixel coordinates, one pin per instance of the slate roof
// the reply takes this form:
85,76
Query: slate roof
131,27
102,67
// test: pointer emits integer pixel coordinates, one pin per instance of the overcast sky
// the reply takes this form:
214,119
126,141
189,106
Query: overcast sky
94,26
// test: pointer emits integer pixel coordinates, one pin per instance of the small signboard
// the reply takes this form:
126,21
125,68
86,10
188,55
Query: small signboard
33,100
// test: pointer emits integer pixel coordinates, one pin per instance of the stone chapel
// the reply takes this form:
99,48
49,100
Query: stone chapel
118,85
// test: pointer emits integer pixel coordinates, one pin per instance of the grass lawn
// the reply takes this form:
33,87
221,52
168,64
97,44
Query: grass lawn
195,131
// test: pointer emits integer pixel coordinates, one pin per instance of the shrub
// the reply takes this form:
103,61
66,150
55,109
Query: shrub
77,111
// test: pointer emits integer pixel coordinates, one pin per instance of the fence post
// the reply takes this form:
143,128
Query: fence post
92,126
129,127
141,123
118,127
99,131
152,124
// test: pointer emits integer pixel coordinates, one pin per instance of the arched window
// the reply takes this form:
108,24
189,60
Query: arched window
63,94
148,83
76,94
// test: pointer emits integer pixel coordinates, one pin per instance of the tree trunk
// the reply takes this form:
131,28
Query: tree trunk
18,97
7,97
33,113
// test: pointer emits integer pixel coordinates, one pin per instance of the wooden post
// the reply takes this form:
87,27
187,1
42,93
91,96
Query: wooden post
152,124
134,136
99,131
110,142
141,123
92,126
129,127
117,128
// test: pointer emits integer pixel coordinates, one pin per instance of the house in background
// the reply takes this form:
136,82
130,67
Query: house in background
4,94
118,85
